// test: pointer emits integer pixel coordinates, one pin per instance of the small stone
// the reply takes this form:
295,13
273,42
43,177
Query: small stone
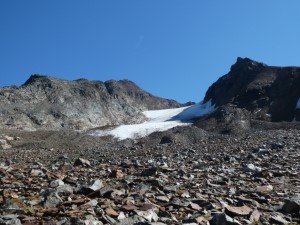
56,183
121,216
92,203
148,206
130,207
166,140
63,157
223,219
251,168
131,220
255,215
10,220
116,174
265,188
9,216
171,188
111,212
4,144
82,162
155,223
195,206
52,200
162,198
14,195
149,215
185,194
64,190
90,220
150,172
179,202
97,185
277,219
263,152
36,173
238,211
292,205
9,138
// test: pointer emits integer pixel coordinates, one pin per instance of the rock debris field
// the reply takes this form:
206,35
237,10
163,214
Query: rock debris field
251,178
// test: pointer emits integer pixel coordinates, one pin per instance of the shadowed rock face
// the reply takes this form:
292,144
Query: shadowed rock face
253,90
47,102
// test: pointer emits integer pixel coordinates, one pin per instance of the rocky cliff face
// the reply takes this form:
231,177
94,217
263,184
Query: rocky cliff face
50,103
254,91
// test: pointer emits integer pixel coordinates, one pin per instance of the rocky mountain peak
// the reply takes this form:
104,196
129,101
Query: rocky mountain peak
241,74
255,91
38,79
247,65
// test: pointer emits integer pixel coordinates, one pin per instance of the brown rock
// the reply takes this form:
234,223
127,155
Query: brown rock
130,207
238,211
116,174
111,212
255,215
147,206
265,188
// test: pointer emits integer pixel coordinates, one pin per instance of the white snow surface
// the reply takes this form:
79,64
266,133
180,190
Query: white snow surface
298,104
158,120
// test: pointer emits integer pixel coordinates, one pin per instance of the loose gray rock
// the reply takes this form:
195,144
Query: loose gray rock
52,200
82,162
149,215
278,219
223,219
9,220
96,185
131,220
251,168
150,172
56,183
292,205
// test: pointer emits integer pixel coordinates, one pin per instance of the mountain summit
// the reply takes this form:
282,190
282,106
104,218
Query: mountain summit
254,91
51,103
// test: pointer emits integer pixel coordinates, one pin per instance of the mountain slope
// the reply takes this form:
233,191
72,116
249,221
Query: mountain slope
51,103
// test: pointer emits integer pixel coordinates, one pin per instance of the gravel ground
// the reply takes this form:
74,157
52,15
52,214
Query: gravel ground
183,176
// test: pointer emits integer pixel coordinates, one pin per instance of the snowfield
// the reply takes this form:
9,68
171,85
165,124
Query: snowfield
158,120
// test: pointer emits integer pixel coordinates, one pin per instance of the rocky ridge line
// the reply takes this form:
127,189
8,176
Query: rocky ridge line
45,102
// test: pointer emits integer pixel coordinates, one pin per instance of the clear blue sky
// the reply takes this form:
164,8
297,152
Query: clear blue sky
173,49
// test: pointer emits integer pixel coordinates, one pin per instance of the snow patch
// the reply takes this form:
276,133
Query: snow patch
158,120
195,111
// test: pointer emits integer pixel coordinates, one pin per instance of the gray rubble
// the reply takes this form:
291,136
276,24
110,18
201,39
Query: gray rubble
219,179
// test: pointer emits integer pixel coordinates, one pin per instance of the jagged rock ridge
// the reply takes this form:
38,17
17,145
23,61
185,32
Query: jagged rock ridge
51,103
254,91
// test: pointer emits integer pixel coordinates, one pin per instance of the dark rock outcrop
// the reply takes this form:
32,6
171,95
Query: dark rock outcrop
49,103
253,91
